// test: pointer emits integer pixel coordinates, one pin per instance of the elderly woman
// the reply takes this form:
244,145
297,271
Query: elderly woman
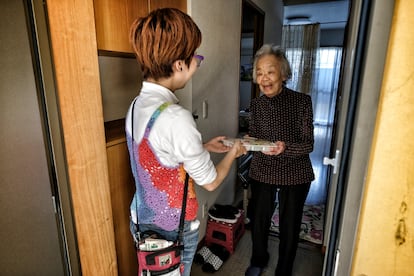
163,141
284,117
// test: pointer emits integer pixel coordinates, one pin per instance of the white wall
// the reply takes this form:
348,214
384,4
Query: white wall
217,83
30,235
217,80
273,20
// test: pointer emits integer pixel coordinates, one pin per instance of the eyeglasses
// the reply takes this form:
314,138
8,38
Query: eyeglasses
199,59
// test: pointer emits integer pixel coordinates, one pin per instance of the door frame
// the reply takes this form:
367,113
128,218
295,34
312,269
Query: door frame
369,24
257,28
59,178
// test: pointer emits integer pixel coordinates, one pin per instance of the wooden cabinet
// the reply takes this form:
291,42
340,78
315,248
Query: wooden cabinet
178,4
122,188
113,19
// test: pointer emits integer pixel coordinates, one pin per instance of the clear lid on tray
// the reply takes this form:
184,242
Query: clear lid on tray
251,143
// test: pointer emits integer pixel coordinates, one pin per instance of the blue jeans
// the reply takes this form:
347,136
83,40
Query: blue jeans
190,240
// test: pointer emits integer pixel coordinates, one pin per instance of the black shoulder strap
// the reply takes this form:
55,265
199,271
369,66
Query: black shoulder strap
184,205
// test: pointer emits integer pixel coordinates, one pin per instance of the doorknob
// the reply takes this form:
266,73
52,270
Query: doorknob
334,162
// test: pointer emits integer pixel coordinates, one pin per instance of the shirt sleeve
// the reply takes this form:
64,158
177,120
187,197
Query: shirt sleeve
305,145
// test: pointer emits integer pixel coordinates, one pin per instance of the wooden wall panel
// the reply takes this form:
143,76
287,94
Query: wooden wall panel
122,191
385,238
73,42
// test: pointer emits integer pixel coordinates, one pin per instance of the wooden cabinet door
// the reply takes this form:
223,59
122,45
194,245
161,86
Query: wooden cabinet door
122,188
113,19
179,4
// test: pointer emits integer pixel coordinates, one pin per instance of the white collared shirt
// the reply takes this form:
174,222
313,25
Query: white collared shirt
174,136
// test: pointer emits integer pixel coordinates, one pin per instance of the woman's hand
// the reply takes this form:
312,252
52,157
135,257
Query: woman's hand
238,149
276,150
224,166
216,145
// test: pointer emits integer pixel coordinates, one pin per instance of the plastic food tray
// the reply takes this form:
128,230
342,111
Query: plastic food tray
251,144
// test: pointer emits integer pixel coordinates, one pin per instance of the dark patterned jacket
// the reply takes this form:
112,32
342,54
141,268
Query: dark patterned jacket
287,117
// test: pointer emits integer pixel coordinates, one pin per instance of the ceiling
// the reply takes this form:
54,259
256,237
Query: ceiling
330,14
298,2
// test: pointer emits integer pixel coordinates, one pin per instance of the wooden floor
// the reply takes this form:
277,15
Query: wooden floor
308,262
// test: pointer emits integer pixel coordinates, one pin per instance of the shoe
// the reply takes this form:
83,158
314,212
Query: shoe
220,251
212,264
202,255
221,214
229,209
253,271
220,217
216,259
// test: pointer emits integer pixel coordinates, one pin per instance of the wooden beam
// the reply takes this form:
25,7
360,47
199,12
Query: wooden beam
75,58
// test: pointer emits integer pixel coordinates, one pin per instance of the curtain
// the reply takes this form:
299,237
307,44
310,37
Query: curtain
301,43
315,71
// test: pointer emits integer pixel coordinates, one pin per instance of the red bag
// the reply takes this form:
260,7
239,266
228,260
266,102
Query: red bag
165,261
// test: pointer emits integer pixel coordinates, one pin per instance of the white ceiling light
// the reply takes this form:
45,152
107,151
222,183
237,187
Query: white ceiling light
298,20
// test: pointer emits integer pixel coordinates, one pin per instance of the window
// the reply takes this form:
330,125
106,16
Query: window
324,88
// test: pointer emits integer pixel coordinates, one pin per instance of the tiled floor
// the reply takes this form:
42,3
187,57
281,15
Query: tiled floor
309,260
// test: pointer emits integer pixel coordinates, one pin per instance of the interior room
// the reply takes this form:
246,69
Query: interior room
68,75
331,18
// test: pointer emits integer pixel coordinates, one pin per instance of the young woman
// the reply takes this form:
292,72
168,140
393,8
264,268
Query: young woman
164,150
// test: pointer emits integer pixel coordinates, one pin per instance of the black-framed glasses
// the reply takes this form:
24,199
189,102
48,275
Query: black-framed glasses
199,59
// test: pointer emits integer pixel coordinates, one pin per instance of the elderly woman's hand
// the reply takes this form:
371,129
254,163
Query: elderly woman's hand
279,148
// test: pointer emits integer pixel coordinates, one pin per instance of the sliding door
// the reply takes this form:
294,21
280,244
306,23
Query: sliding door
360,85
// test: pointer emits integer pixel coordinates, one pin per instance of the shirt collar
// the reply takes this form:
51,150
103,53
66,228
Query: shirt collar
278,96
159,91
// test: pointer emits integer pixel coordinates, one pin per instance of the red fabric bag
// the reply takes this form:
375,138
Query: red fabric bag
165,261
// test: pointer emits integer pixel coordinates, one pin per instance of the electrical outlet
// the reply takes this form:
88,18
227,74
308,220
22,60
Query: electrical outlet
204,210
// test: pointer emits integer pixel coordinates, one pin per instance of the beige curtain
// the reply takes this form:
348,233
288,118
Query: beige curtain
301,43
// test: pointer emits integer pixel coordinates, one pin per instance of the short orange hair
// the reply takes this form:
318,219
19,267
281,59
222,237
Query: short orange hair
161,38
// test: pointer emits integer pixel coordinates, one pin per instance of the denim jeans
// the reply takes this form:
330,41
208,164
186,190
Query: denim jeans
190,240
